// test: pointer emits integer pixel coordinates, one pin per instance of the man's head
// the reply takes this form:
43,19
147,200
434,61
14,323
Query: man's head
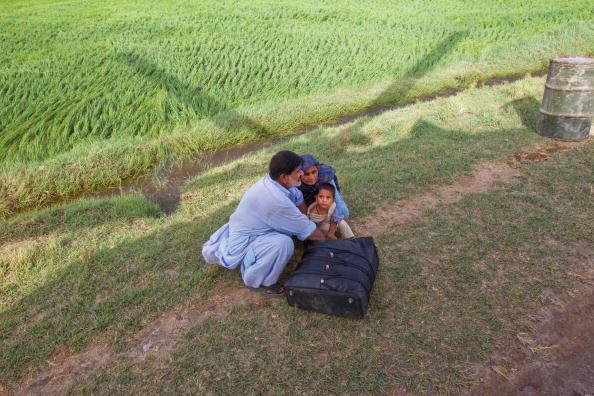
325,195
285,168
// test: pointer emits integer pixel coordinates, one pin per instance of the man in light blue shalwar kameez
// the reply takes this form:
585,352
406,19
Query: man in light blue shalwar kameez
258,235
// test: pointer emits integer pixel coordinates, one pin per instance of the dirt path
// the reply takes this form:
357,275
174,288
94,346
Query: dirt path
556,358
484,178
160,337
156,340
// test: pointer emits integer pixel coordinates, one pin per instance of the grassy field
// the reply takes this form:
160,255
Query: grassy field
451,290
452,285
91,93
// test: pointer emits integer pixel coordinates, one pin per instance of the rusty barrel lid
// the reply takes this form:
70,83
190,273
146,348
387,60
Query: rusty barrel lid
587,60
571,73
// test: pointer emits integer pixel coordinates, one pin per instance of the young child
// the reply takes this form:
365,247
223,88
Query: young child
320,212
314,175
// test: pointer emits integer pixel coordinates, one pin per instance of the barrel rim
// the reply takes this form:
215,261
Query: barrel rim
585,116
562,139
568,88
558,60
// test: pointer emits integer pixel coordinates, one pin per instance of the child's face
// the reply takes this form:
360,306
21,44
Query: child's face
324,199
310,176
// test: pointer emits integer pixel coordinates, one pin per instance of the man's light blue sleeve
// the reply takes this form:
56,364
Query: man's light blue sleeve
296,196
289,220
341,211
311,227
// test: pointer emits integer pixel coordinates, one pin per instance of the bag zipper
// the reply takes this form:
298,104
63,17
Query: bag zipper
343,251
306,253
334,277
340,262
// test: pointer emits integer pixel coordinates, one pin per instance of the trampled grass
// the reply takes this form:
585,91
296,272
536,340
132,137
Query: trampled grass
79,72
100,271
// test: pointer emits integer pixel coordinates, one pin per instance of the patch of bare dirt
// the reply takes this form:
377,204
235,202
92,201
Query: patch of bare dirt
160,337
556,358
23,243
398,390
584,250
156,340
484,177
541,153
63,369
172,272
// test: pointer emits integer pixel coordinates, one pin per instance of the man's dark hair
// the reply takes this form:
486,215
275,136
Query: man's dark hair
327,187
283,163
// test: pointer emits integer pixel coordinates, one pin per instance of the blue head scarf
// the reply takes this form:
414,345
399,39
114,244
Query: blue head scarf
308,161
326,173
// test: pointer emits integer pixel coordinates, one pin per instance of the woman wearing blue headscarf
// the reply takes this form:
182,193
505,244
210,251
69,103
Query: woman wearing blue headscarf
315,174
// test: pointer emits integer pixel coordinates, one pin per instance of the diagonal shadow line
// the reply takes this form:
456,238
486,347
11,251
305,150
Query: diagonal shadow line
209,105
399,89
206,105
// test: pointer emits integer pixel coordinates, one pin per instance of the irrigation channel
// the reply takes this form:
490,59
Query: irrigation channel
164,189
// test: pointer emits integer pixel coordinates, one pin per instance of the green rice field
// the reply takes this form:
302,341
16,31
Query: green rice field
95,92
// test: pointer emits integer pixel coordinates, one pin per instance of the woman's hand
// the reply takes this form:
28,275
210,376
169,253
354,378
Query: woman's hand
331,237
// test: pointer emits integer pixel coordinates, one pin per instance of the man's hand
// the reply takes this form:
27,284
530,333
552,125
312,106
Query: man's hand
317,235
303,208
331,237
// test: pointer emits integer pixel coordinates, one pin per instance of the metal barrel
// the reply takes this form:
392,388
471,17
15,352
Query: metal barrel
568,102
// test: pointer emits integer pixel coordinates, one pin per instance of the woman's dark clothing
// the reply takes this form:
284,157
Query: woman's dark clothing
309,192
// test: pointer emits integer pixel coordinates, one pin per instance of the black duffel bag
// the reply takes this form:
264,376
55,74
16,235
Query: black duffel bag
334,277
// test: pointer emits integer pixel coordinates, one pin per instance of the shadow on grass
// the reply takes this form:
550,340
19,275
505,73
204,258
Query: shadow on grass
119,288
194,98
450,289
526,109
116,288
429,155
77,216
398,91
208,106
